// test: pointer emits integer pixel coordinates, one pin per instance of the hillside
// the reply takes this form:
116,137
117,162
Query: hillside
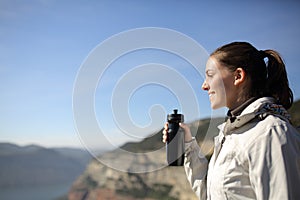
36,165
100,181
295,113
159,182
200,129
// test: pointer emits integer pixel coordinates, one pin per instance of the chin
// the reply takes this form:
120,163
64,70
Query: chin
216,106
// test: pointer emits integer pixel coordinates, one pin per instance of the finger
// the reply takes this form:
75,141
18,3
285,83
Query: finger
164,138
165,132
166,126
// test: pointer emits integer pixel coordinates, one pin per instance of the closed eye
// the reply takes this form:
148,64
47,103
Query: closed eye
209,73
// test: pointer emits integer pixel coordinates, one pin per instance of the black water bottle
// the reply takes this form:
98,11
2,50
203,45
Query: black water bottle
175,140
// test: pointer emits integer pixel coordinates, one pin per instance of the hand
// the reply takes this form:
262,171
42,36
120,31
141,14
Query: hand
187,132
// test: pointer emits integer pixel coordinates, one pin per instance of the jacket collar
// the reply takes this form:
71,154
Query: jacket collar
232,114
260,108
257,104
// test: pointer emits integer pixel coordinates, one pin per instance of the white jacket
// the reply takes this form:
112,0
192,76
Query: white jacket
259,160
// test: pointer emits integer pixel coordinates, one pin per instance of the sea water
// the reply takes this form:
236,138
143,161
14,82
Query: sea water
40,192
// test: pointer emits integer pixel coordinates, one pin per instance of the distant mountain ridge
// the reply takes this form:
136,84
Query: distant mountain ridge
33,164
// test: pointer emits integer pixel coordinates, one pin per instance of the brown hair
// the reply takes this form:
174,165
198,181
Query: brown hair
266,78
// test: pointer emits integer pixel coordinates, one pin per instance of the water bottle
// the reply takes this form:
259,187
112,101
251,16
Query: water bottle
175,140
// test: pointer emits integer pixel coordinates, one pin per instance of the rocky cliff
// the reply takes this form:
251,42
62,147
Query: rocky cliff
102,182
140,175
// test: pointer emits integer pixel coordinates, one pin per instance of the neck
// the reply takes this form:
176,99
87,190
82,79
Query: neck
236,111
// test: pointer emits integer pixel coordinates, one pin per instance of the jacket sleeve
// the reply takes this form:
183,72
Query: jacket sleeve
273,169
195,165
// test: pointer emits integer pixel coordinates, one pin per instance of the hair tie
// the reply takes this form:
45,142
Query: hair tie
265,58
263,54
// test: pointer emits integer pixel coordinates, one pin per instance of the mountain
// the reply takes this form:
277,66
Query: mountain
138,170
36,165
103,178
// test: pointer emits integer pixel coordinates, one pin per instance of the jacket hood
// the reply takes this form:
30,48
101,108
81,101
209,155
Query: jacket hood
258,110
267,105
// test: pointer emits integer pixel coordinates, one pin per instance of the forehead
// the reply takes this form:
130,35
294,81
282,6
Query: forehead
212,64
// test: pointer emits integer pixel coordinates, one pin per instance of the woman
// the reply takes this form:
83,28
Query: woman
257,151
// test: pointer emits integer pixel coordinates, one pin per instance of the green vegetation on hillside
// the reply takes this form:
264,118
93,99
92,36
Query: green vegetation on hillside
202,129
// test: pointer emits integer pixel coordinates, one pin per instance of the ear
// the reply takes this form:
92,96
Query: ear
239,76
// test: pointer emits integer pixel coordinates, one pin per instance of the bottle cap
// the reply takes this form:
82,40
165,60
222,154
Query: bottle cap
175,117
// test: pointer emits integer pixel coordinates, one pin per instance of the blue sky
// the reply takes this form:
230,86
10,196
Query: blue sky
44,43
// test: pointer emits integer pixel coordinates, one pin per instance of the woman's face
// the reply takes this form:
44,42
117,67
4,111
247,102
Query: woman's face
219,83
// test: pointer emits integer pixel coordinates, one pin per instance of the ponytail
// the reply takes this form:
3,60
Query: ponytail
277,84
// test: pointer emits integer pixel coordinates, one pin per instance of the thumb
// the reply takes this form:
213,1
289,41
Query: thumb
187,132
184,126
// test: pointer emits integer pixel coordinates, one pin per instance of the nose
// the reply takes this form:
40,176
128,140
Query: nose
205,86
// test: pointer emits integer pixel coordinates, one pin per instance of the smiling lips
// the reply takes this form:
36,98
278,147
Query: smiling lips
210,94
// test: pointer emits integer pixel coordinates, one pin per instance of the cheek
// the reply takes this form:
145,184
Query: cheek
228,85
219,86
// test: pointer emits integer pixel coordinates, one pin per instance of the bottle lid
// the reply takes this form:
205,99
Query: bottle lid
175,117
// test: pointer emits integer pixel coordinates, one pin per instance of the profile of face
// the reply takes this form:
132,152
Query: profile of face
220,83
